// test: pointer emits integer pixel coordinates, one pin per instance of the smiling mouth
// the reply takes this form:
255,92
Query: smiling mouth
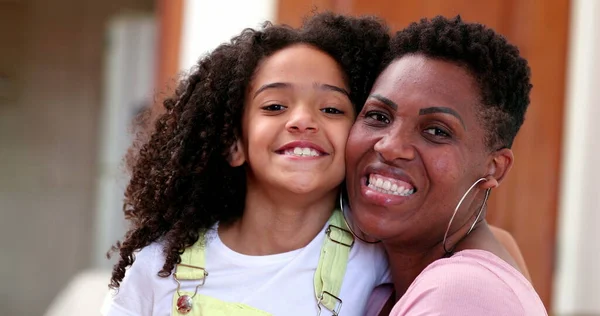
301,152
390,186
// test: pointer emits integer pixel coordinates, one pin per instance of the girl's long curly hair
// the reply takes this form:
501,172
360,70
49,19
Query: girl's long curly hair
181,183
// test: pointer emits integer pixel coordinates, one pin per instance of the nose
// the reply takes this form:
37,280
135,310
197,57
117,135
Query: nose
302,119
395,145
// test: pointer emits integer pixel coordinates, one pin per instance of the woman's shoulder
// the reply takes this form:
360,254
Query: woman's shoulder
472,282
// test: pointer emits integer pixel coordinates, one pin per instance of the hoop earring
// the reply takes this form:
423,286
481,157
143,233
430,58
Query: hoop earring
343,209
487,194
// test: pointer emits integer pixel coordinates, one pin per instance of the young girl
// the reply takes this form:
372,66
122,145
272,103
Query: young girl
232,199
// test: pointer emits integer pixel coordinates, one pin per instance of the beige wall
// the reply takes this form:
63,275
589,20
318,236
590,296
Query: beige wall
52,51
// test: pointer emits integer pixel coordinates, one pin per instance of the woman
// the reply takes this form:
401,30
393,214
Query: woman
431,142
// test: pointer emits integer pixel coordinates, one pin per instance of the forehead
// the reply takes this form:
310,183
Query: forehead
428,82
299,64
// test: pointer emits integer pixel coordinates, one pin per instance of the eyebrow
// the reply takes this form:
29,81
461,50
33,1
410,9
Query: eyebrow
423,111
329,87
285,85
274,85
441,109
385,100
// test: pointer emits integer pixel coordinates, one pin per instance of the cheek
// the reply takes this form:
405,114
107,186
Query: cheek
256,137
358,143
446,165
338,135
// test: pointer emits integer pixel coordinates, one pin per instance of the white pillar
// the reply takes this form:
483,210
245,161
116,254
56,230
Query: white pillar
208,23
577,274
128,75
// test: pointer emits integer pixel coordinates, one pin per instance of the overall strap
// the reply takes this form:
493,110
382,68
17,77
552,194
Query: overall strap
332,263
191,268
192,263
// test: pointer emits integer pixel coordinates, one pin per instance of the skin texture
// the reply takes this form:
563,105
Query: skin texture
419,129
297,99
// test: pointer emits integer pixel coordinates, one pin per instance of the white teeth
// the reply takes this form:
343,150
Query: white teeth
302,152
387,187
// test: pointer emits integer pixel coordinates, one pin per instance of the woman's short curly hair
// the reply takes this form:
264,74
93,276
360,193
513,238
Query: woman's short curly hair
181,183
502,74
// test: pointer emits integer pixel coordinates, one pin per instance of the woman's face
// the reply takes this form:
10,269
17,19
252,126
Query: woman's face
415,149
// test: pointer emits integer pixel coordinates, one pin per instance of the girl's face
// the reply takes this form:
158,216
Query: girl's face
296,121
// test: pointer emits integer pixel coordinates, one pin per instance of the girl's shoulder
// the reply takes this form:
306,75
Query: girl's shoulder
136,293
148,262
149,257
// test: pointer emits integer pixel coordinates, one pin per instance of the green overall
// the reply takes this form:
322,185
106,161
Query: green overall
327,280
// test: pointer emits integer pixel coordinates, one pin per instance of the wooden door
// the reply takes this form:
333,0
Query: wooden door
526,203
170,19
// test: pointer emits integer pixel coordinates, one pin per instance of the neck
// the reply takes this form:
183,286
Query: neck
406,265
277,222
408,258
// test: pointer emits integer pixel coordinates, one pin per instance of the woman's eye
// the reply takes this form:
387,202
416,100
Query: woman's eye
273,107
437,132
331,111
377,116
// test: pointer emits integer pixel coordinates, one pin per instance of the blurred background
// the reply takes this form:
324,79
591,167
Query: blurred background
74,73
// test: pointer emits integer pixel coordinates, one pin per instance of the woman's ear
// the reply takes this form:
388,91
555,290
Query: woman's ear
500,163
236,156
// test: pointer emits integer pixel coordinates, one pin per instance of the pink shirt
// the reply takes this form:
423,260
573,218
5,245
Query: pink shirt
471,282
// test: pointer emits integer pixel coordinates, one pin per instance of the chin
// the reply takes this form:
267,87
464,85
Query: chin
299,186
373,221
310,183
301,190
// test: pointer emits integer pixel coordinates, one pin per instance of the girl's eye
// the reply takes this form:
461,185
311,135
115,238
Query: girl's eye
435,131
377,116
273,107
331,111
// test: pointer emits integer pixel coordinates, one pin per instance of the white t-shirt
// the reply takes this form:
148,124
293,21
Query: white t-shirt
281,284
